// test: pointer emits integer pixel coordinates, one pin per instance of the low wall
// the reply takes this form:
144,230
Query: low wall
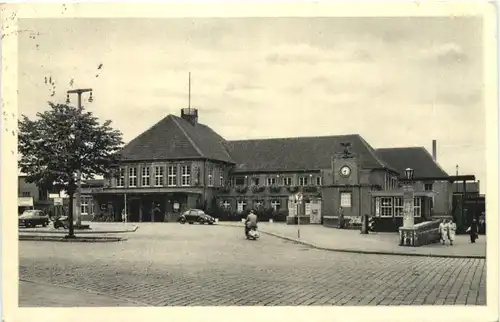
420,234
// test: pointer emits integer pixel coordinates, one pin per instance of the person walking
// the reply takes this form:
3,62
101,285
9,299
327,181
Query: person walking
443,230
452,228
473,231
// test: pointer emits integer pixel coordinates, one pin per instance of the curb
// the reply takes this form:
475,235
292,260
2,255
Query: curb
80,231
358,251
138,303
71,240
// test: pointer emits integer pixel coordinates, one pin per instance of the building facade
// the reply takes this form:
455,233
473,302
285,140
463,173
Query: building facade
180,163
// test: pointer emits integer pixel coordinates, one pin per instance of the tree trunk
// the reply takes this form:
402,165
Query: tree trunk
71,233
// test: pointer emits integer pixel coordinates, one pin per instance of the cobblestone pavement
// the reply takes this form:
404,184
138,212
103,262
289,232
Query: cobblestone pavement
180,265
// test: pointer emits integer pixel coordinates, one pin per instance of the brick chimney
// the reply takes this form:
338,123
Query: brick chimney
190,115
434,150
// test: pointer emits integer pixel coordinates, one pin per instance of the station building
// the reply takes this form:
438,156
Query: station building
180,163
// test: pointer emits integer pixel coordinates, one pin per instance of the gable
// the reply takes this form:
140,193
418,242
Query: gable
417,158
304,153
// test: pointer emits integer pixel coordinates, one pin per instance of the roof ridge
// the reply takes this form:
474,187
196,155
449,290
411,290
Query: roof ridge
372,151
188,137
294,138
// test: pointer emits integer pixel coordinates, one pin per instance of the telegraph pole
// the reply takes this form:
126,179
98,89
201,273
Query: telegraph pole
78,196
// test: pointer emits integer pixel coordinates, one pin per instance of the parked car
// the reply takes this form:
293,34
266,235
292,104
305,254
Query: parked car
196,215
32,218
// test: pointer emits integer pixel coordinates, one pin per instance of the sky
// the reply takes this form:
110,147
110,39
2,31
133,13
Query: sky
395,81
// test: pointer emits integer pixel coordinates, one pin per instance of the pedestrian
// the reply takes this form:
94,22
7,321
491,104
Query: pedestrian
452,228
443,231
124,216
341,218
472,230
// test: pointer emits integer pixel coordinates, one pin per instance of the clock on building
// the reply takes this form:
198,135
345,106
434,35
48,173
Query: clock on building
345,171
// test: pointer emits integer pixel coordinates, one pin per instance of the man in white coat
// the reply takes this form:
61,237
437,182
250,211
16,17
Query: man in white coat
452,228
443,230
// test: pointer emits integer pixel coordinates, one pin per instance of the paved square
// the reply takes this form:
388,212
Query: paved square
179,265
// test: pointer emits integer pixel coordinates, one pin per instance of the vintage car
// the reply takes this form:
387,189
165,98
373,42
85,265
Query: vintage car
32,218
196,215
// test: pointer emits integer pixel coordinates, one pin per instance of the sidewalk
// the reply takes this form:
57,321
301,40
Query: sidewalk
32,294
95,228
374,243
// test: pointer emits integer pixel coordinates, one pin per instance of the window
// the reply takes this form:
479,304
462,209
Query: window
398,207
241,205
271,181
258,203
186,175
172,175
255,181
84,206
145,176
210,176
158,176
26,194
303,181
417,206
345,199
318,181
428,187
239,181
287,181
120,181
275,204
132,177
386,207
226,204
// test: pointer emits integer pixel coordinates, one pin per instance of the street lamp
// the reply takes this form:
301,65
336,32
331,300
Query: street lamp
409,172
408,199
78,195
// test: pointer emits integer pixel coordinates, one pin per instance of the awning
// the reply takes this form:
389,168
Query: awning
25,201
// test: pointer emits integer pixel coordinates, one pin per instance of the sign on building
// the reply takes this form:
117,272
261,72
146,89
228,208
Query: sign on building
25,201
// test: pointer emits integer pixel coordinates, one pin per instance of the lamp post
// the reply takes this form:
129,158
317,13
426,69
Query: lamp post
408,199
78,195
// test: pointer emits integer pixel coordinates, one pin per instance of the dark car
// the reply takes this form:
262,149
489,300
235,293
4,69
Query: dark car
33,218
196,215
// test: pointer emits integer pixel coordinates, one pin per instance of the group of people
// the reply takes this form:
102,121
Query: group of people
448,228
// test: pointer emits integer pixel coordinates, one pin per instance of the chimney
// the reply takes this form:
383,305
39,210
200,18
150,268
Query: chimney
434,150
190,115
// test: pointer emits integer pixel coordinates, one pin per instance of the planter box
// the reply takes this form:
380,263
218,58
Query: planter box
292,220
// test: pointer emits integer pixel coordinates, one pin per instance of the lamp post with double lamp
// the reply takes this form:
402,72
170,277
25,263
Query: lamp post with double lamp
408,199
78,196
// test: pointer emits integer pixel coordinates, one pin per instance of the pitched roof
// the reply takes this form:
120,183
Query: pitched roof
303,153
417,158
176,138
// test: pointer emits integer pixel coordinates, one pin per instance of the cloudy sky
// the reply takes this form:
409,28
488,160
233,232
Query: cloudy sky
395,81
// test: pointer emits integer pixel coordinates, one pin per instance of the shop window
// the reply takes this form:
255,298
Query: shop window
417,206
386,207
398,207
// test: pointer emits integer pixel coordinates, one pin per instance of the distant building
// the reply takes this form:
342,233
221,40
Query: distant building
180,163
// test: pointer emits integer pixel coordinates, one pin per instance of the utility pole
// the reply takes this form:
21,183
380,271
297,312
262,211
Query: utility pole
78,196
